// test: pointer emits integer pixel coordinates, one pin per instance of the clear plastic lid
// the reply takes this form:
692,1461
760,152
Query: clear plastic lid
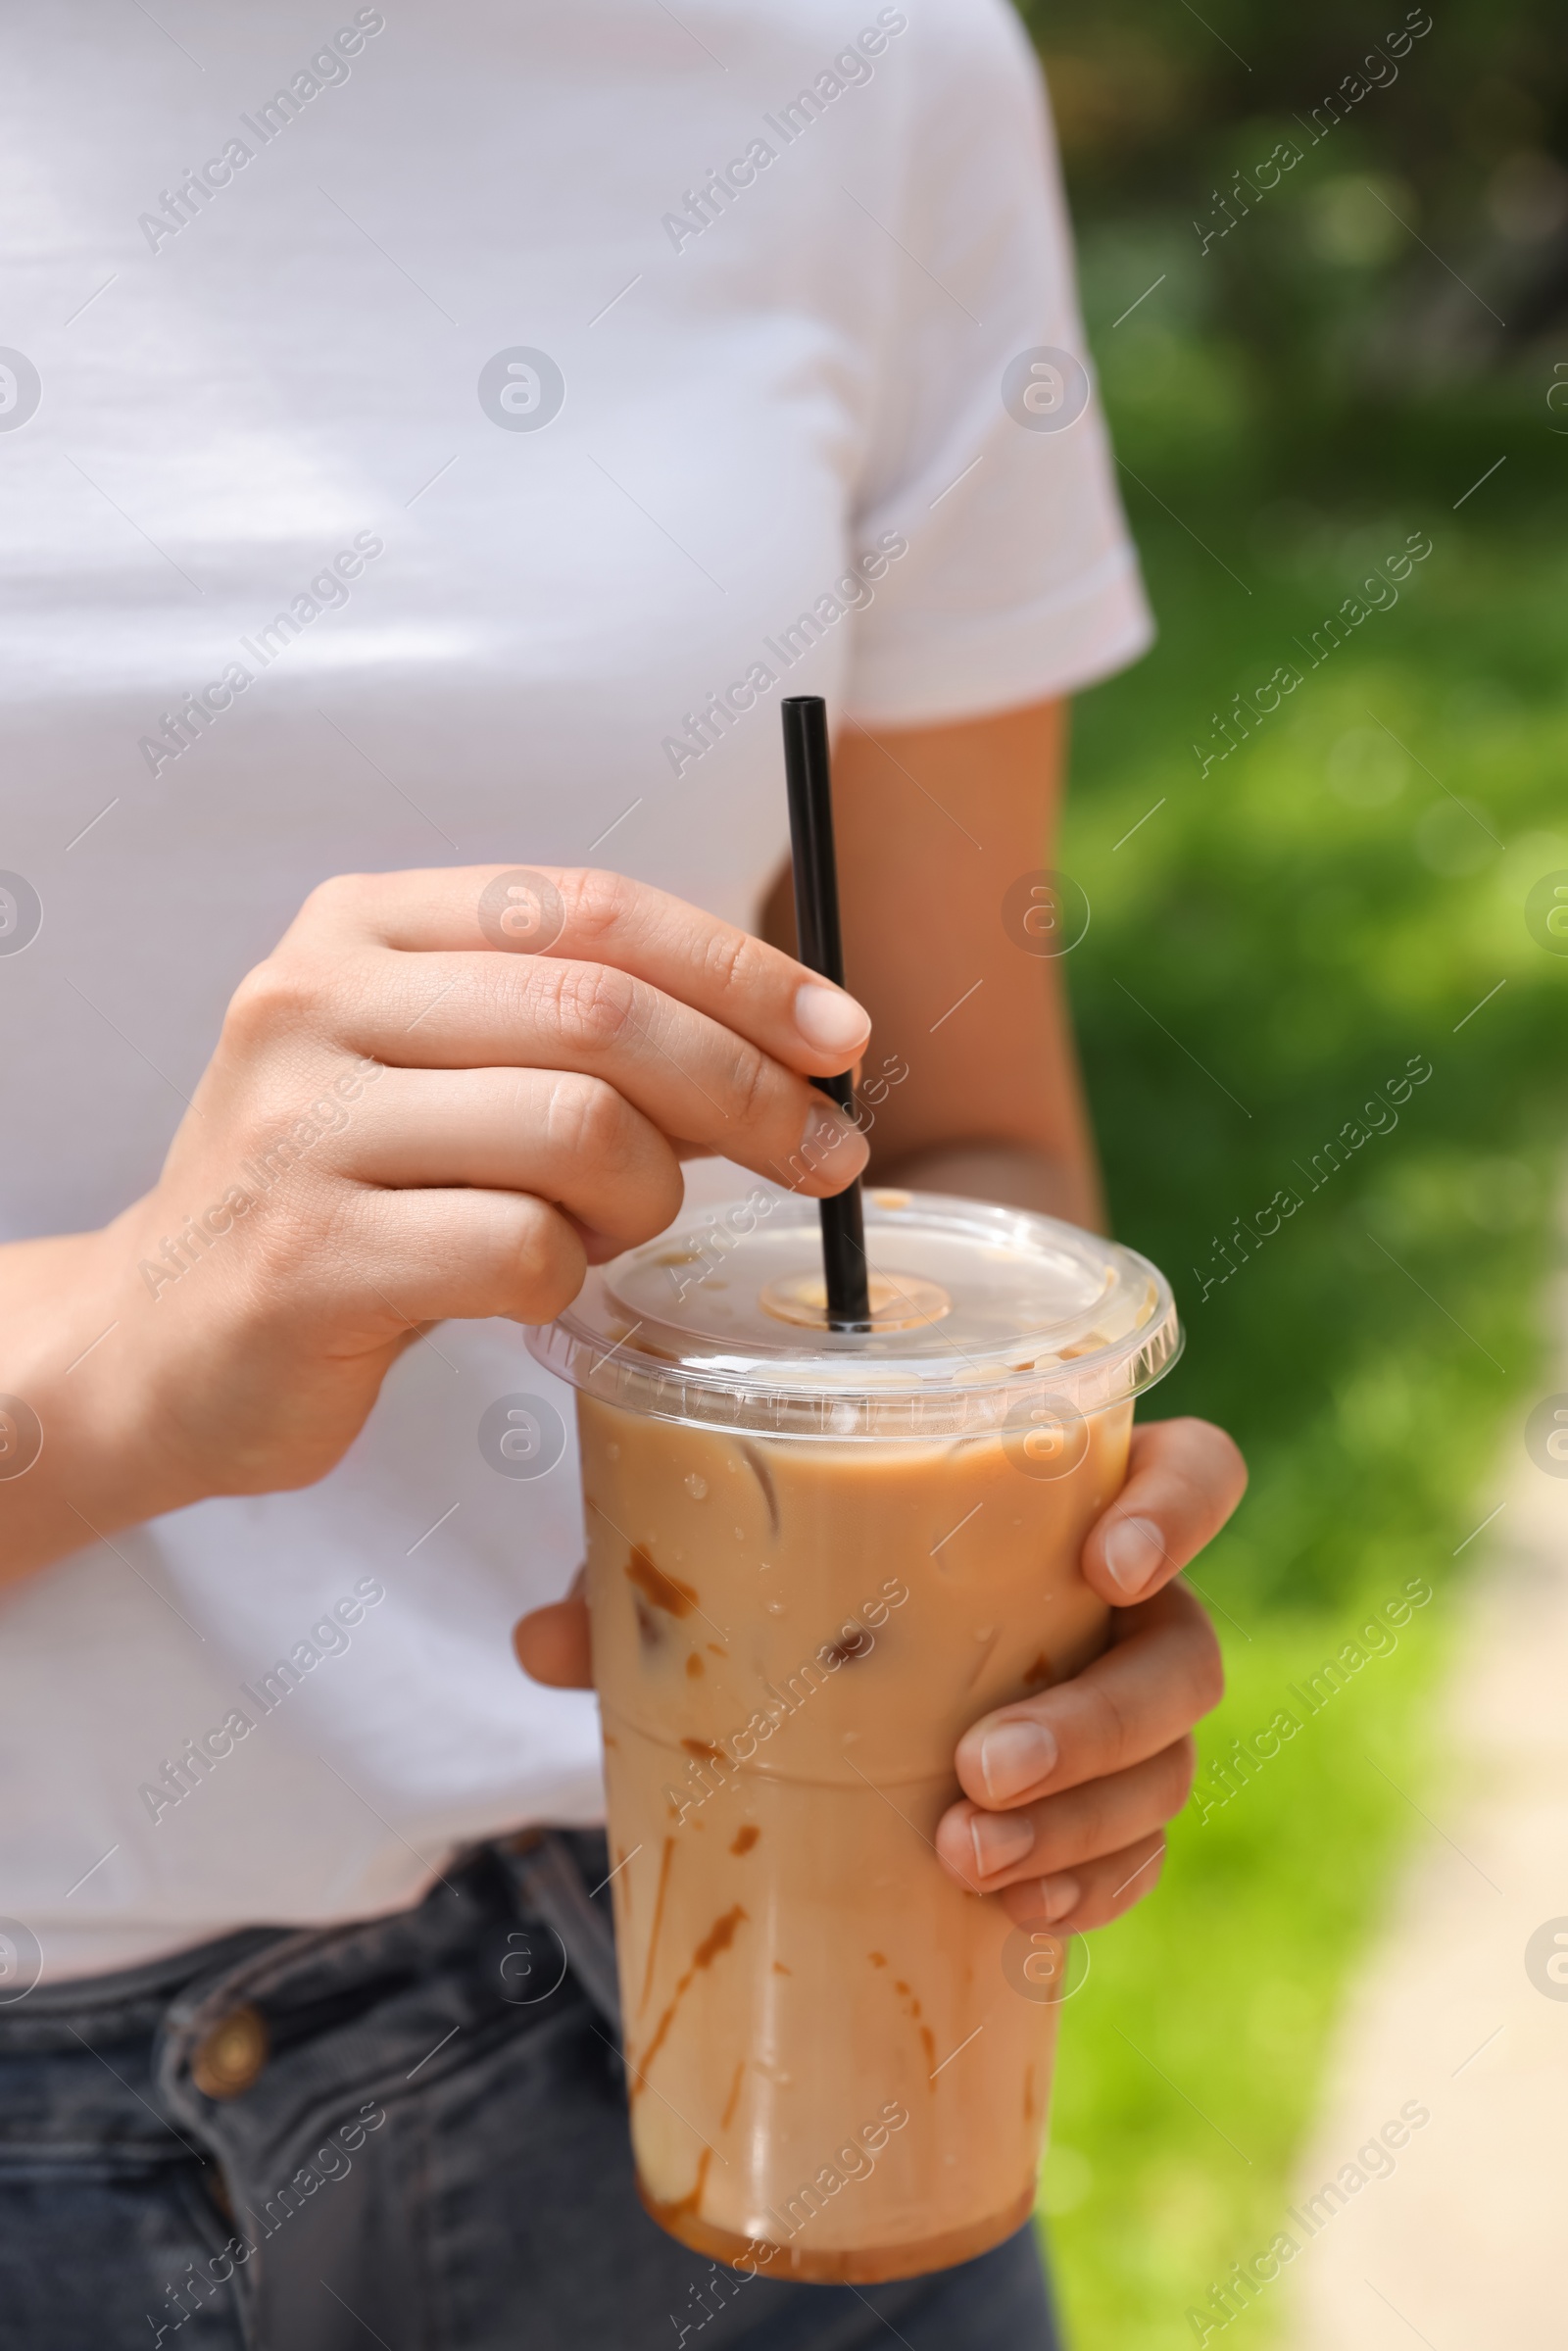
983,1318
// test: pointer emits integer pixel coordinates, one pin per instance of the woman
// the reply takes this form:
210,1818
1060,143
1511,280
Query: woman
437,449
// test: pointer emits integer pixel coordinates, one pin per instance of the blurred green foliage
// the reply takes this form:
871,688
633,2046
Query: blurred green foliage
1323,325
1275,934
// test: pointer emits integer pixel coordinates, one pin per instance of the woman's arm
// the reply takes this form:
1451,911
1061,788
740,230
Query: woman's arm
934,826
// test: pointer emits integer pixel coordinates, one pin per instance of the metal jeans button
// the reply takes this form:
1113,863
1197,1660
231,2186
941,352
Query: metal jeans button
232,2054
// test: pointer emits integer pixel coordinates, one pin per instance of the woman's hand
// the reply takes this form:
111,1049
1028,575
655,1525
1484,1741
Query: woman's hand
445,1094
1067,1794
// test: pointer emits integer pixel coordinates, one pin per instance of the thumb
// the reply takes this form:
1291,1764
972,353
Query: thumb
553,1644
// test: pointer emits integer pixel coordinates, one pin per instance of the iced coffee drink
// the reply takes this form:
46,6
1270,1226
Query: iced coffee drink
814,1559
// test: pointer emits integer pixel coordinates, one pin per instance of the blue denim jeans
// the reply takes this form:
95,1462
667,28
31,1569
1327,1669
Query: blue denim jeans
408,2132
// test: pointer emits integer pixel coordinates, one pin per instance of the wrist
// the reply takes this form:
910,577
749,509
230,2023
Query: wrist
1015,1175
82,1361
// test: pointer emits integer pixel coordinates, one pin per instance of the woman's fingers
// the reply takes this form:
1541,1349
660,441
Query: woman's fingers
565,1138
712,1035
577,914
1061,1834
427,1255
1063,1790
553,1643
688,1075
1184,1479
1162,1673
1092,1895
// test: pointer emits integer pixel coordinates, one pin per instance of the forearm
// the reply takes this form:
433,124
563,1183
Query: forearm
938,827
78,1450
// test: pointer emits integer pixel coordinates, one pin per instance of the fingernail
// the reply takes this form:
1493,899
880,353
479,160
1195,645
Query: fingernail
999,1838
1059,1896
829,1019
832,1144
1134,1549
1013,1755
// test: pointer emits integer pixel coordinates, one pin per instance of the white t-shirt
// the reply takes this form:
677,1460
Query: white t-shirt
446,438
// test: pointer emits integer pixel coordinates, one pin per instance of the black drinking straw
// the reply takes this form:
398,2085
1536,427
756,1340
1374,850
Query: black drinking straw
821,949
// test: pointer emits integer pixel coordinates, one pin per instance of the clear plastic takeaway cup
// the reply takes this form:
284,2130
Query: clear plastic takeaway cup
814,1559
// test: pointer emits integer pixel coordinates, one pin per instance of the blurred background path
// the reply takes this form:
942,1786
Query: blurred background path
1458,2011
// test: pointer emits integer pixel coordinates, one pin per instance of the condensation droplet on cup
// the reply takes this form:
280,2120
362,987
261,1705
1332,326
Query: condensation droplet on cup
775,1607
612,1449
696,1487
740,1534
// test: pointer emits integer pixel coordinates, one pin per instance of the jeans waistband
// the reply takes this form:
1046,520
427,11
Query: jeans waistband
296,1976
